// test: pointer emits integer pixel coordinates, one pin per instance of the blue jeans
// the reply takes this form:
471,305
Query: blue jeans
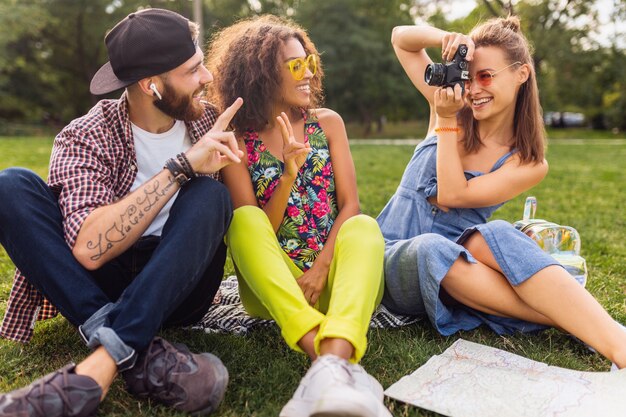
159,281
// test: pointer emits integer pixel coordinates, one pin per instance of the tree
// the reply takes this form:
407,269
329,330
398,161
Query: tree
52,51
363,78
13,62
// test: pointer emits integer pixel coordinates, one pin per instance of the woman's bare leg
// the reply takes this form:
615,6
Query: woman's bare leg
553,293
480,287
307,344
334,346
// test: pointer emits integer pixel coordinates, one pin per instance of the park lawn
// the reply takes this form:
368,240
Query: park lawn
584,189
417,129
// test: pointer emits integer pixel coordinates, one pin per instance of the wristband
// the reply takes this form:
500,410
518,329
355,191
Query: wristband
184,162
175,168
447,129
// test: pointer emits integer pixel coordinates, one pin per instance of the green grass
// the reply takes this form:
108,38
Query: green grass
584,189
417,129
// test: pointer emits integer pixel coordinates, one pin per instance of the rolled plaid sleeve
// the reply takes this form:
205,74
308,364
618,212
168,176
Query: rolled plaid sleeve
81,174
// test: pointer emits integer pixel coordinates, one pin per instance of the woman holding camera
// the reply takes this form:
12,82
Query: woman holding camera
485,145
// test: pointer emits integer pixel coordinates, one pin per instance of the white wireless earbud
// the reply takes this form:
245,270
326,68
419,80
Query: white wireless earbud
156,92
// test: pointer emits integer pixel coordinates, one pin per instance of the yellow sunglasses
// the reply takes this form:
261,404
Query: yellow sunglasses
298,66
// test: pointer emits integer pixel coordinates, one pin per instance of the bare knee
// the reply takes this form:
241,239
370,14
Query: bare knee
478,247
475,243
457,275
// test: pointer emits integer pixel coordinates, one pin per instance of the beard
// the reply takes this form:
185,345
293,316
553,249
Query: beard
179,106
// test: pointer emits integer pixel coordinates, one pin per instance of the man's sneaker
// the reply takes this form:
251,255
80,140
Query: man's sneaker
172,375
328,389
59,394
366,383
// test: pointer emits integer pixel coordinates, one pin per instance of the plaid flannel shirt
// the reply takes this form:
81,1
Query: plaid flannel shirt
93,163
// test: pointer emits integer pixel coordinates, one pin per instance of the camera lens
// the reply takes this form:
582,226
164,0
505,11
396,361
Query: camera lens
435,74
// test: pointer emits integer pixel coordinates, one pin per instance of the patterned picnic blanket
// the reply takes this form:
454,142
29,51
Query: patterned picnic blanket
227,314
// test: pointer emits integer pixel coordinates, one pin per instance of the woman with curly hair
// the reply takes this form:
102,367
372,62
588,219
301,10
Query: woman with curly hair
485,145
304,255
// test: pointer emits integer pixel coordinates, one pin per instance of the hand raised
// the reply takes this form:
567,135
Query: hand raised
294,153
216,148
450,43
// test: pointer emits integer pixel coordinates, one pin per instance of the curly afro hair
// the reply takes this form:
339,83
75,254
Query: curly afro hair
245,62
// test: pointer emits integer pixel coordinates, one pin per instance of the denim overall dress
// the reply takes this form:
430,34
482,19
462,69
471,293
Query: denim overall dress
422,242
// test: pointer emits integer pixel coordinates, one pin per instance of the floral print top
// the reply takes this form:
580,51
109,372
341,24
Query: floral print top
312,205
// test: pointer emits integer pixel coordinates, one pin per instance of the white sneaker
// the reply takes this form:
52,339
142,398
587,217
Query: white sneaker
326,371
366,383
347,401
333,401
328,389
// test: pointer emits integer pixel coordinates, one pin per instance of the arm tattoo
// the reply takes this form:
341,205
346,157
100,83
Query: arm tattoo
129,218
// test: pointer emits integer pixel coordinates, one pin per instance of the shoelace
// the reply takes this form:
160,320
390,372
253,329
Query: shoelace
170,365
37,402
342,364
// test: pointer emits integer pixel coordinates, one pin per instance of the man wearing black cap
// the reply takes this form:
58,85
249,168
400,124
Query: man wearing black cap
127,236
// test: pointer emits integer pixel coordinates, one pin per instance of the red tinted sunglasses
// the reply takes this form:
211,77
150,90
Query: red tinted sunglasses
484,77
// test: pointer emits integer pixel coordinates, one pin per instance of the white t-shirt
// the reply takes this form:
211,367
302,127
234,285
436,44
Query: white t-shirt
152,150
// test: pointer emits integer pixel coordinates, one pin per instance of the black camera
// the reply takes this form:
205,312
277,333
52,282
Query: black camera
447,75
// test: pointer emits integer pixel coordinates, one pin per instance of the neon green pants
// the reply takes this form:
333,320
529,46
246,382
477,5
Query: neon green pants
268,287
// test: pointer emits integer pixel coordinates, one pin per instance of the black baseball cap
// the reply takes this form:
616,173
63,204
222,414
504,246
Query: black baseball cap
145,43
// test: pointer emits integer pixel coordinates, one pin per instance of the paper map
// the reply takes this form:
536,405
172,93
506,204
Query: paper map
470,379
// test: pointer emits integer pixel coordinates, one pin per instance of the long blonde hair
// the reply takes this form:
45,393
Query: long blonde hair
528,127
